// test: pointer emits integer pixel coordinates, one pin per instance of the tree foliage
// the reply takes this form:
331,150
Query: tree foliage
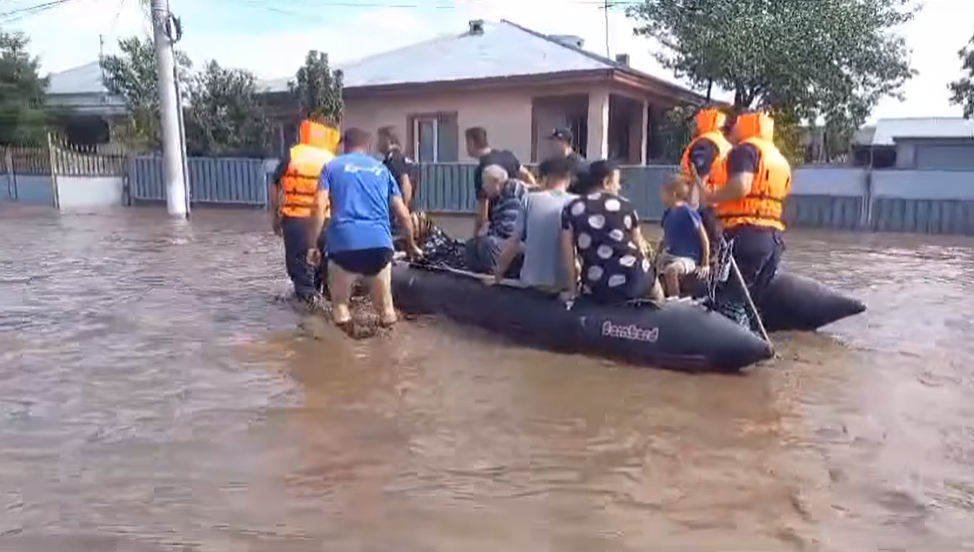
225,115
317,88
23,117
829,59
962,90
132,76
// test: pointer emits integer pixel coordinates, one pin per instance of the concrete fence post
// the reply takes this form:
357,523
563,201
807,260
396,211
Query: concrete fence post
8,166
52,159
866,213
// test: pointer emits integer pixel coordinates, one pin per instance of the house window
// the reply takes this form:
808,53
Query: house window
434,138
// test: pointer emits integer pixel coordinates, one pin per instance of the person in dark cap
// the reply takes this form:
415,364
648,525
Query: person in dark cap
561,145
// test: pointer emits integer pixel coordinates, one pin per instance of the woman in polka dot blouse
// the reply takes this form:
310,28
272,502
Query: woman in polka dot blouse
601,229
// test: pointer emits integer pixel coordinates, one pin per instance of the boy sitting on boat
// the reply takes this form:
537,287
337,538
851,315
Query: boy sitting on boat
686,247
504,195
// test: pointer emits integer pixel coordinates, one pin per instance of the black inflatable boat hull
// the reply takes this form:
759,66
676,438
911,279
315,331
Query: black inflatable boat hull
797,303
675,335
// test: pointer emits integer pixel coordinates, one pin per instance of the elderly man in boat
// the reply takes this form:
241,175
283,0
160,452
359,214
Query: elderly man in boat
503,195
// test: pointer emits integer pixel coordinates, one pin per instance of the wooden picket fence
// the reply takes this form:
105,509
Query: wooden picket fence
62,158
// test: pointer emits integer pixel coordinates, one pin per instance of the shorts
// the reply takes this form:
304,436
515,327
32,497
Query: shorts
364,262
686,265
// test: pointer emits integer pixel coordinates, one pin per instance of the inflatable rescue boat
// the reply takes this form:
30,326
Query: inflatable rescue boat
680,335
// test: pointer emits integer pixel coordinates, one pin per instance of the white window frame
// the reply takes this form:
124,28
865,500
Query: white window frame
436,138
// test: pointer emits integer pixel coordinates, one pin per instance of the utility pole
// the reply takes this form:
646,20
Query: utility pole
172,143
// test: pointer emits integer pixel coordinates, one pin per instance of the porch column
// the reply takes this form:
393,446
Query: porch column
598,125
643,131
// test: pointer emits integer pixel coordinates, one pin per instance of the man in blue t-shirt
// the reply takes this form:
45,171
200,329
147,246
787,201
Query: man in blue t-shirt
686,246
361,192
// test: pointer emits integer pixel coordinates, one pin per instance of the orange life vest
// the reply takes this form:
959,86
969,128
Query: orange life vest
299,185
709,122
764,204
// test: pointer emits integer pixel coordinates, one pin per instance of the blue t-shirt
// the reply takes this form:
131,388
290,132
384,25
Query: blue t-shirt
360,188
681,232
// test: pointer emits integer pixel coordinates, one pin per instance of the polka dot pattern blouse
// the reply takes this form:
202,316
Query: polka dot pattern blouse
613,266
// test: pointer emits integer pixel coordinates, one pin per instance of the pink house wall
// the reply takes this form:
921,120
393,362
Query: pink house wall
505,114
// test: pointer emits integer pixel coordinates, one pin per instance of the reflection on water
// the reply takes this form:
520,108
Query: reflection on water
153,394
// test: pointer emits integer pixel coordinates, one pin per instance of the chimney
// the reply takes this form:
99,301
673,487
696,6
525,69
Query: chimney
572,41
622,59
476,26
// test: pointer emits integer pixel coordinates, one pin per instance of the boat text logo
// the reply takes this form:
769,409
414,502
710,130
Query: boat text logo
629,332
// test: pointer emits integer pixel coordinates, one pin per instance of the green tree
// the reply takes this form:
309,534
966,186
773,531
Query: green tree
23,117
825,59
962,90
317,88
225,115
132,76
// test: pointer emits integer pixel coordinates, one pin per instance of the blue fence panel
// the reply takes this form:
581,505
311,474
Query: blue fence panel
446,188
815,211
212,180
6,188
145,179
923,216
32,189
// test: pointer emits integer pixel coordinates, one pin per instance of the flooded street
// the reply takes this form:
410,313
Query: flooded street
154,395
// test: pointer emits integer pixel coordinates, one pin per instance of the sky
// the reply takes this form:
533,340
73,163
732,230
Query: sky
271,38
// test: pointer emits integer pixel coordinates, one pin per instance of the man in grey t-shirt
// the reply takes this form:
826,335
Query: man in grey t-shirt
538,230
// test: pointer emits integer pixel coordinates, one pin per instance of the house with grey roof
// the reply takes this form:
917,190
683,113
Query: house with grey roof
917,143
89,106
516,83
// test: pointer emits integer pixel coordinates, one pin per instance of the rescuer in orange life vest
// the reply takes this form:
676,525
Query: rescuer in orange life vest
299,209
704,162
750,206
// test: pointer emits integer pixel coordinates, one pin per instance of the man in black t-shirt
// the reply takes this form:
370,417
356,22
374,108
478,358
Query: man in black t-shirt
479,148
396,161
561,141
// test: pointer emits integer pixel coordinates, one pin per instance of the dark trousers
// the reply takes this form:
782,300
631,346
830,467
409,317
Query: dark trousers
482,253
758,251
307,278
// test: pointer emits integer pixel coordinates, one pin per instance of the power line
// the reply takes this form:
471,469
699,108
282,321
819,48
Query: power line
22,13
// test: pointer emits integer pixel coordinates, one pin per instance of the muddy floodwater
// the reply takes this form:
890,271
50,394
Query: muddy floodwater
154,395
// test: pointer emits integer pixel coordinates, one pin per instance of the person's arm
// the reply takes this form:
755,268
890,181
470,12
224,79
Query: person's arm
406,185
703,153
742,163
526,176
568,258
400,171
522,173
567,246
514,244
704,239
482,209
480,215
320,209
636,234
274,189
637,238
399,207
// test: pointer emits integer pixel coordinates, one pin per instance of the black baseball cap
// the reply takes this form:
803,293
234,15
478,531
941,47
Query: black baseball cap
562,134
